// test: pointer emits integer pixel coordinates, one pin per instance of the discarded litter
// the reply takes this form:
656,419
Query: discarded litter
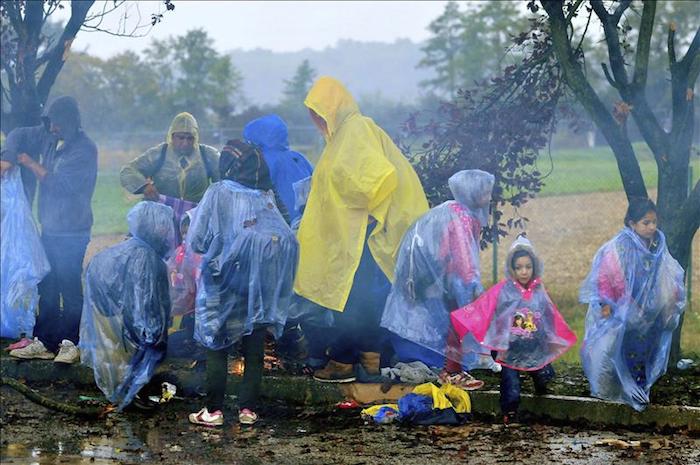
653,444
685,363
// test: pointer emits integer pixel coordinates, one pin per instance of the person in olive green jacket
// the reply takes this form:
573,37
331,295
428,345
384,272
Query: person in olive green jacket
180,168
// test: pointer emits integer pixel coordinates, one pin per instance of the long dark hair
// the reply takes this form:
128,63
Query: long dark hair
638,207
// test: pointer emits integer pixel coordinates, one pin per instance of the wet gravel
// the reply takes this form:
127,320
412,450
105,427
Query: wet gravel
288,435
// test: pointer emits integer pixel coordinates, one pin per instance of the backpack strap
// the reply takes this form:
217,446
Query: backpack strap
207,165
161,161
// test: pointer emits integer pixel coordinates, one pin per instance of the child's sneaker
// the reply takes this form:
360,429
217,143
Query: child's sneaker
247,417
68,353
21,344
462,380
203,417
34,350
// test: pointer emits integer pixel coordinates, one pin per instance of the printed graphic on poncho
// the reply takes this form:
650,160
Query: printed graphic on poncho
524,322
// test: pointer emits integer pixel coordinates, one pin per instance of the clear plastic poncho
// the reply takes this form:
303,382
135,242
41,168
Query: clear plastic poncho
23,262
521,324
438,270
624,353
249,256
123,330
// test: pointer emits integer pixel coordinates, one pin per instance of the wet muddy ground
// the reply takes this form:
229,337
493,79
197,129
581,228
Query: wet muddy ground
288,435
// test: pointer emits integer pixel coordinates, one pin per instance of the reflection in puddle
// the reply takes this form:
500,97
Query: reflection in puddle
94,450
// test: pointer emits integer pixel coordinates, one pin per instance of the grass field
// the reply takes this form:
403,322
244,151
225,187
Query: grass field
581,207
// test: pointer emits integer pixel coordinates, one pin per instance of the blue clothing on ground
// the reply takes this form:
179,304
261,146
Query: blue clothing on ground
286,166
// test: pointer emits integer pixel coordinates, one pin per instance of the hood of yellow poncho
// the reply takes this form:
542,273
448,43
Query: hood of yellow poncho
183,122
332,102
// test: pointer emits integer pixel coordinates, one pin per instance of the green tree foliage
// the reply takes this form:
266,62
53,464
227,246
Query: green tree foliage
291,106
128,92
470,44
194,77
35,49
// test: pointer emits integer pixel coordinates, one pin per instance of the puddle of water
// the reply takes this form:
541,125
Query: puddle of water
91,450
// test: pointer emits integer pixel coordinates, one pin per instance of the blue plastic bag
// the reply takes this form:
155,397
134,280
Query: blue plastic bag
22,260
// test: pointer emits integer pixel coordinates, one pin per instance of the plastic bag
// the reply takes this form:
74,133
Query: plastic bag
23,261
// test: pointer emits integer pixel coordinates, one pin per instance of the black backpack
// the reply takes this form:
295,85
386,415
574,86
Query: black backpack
161,161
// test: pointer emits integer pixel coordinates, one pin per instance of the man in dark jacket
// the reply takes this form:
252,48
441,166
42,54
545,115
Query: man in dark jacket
62,160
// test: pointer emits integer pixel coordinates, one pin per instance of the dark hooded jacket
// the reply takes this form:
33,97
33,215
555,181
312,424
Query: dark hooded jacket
286,166
65,193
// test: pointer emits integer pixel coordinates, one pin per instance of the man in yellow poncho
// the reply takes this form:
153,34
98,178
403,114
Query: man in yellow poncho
364,196
179,168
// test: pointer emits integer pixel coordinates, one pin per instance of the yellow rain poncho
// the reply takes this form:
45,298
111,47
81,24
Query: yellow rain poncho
361,173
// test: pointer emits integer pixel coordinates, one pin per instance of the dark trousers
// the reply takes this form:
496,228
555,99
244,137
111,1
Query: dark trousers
217,372
62,284
510,385
357,329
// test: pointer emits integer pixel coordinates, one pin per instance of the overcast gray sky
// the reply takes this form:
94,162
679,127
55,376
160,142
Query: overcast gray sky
278,26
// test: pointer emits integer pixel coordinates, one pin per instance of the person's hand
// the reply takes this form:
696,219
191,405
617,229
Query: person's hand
24,159
150,192
4,166
605,311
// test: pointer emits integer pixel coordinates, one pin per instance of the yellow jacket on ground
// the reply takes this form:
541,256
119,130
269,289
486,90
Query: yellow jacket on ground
361,173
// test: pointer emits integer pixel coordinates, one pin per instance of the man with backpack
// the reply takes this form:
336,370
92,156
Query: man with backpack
180,169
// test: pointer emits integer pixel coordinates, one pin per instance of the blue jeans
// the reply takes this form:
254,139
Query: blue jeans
510,385
63,283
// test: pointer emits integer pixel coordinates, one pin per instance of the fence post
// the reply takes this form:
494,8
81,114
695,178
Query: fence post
494,268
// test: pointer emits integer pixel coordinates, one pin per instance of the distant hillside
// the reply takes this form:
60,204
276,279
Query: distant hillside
367,68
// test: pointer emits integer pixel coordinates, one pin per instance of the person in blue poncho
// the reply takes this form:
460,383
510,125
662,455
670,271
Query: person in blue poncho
123,331
635,298
286,166
249,256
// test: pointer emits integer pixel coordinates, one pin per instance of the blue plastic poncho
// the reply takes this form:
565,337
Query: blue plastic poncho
624,353
438,270
124,325
22,258
286,166
249,256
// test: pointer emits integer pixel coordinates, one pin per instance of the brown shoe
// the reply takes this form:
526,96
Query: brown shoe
370,362
335,372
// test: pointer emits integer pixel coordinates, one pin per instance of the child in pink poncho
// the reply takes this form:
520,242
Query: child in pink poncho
518,321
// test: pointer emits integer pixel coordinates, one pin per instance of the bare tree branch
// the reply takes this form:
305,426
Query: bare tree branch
621,8
610,79
693,50
691,210
57,54
14,15
573,10
612,39
694,71
628,166
671,44
646,29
